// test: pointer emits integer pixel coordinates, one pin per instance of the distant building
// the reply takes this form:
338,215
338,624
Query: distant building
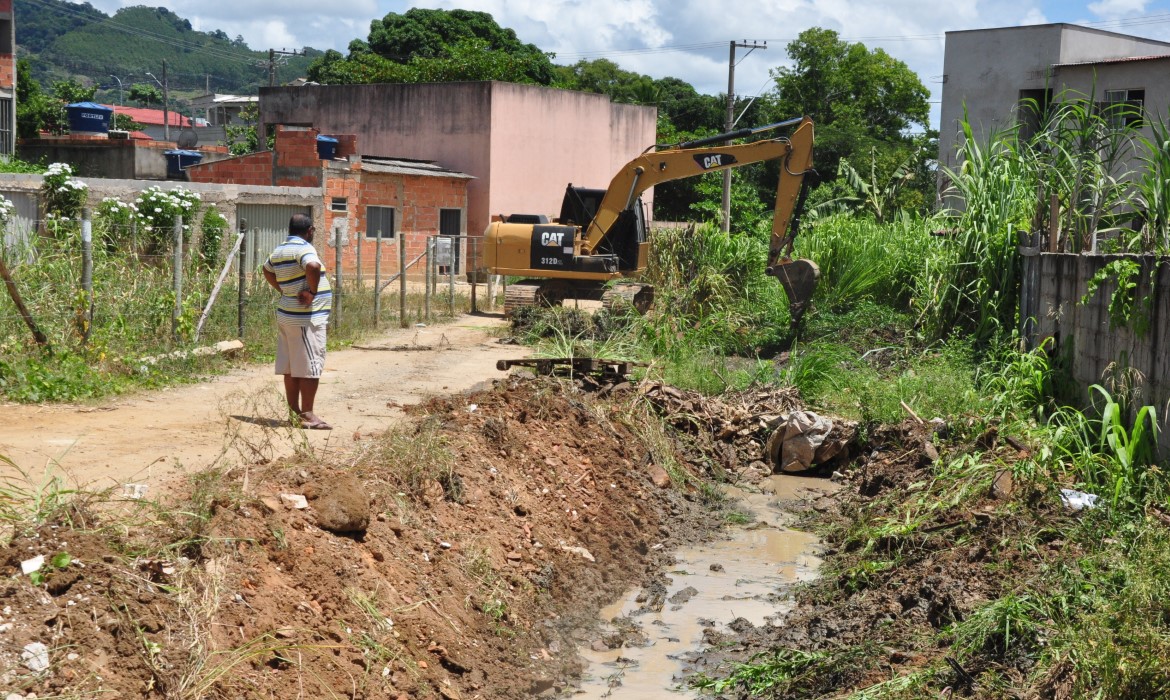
522,143
7,79
223,110
992,73
386,200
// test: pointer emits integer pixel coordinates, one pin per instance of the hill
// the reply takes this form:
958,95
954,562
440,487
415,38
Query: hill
66,40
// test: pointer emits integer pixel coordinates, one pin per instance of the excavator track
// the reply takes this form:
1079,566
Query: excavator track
623,296
518,296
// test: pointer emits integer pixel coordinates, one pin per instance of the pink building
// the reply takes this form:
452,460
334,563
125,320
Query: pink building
522,143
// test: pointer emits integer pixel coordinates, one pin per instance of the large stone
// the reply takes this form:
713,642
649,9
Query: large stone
342,505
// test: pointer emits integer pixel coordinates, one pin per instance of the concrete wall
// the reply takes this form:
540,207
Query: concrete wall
1053,285
987,68
224,197
535,140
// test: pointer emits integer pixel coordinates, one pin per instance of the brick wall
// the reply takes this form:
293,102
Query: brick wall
416,200
293,163
252,169
7,70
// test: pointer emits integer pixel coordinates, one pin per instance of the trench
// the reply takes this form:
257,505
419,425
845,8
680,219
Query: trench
744,575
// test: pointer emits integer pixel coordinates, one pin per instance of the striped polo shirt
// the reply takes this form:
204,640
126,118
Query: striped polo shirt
288,263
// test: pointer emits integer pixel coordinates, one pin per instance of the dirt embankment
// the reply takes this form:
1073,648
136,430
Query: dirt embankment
463,556
912,549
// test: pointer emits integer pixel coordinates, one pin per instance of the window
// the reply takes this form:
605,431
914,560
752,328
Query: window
338,204
450,221
6,126
1123,108
380,219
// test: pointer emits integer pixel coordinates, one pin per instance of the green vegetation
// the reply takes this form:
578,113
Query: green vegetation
915,318
67,40
118,339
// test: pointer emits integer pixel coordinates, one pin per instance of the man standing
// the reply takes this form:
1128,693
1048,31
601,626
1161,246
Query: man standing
295,270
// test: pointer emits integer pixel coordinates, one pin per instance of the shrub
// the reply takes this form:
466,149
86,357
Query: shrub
63,195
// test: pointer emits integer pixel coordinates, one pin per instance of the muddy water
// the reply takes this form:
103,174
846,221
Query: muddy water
743,576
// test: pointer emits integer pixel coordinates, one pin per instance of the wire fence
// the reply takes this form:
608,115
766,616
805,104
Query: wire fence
119,291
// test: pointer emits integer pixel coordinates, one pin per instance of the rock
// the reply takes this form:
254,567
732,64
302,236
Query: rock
683,596
659,477
294,500
716,567
930,451
35,657
580,551
1002,487
599,645
342,505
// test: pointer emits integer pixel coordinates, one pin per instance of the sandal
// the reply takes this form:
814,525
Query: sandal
312,422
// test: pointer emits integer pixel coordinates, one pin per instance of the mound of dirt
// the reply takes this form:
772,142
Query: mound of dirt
464,558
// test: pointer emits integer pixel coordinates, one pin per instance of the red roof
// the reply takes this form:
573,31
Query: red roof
151,117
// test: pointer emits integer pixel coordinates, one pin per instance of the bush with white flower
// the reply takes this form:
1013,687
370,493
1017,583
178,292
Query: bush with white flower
64,196
7,211
157,210
114,221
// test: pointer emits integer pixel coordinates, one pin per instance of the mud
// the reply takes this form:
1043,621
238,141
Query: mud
477,580
729,584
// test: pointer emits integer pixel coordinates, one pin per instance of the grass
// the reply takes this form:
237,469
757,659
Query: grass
132,309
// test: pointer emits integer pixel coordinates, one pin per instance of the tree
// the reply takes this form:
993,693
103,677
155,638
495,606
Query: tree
70,91
866,104
435,46
36,111
145,94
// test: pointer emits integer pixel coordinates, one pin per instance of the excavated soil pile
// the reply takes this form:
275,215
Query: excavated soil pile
732,435
464,557
868,622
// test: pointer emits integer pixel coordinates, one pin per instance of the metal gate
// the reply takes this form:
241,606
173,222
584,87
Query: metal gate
267,228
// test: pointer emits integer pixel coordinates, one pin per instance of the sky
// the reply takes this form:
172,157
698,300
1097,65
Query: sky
685,39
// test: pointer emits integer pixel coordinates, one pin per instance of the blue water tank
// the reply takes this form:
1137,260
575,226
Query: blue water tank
87,117
179,159
326,147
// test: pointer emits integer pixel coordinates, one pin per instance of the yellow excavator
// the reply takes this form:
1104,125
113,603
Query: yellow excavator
601,235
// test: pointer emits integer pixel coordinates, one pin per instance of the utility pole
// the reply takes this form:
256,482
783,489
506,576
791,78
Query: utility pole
166,101
166,106
730,123
272,57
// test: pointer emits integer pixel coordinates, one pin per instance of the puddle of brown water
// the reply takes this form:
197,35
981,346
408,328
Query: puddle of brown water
758,561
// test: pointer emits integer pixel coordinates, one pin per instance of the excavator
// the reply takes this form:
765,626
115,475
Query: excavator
601,235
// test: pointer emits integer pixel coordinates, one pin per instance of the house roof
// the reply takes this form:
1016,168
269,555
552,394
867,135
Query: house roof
151,117
1125,59
409,167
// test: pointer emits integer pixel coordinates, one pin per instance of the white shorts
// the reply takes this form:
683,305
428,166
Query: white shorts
300,350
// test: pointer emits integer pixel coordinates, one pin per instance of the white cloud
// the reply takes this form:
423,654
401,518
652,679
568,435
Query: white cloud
686,39
1113,9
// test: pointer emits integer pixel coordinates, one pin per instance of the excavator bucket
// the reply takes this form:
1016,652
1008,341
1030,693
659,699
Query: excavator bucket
799,279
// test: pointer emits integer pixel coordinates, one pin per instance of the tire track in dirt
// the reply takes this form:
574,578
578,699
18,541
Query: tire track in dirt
147,436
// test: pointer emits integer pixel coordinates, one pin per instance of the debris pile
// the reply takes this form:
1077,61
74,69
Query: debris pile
754,432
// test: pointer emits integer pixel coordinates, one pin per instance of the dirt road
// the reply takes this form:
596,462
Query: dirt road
240,416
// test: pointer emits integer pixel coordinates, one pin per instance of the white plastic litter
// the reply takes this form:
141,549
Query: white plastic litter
30,565
1078,500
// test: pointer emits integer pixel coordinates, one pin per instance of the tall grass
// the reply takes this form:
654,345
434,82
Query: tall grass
861,259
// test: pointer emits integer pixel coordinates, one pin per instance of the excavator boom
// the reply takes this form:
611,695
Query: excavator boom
600,236
798,277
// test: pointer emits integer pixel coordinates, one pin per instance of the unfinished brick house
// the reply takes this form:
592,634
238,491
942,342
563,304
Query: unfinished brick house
364,198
